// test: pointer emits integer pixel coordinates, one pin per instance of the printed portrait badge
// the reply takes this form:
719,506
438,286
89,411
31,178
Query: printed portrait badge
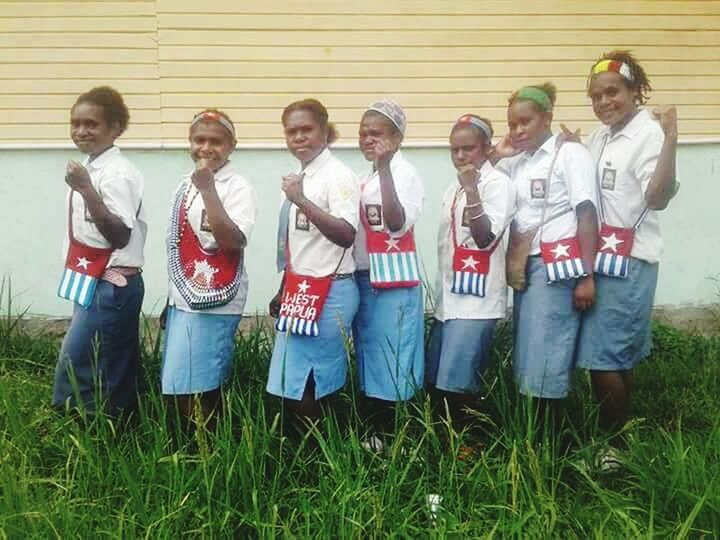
537,188
301,221
204,222
374,214
608,178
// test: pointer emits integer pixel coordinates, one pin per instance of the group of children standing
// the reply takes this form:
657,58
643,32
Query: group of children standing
571,227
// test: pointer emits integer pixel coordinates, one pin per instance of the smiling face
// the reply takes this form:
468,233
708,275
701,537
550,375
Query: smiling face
90,131
467,147
528,126
304,136
613,102
210,141
375,127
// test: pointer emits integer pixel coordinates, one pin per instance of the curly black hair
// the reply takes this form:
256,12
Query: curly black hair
640,83
113,106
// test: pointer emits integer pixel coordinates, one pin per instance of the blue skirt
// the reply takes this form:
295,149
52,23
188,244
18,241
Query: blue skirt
458,354
198,351
388,333
616,332
100,355
325,357
545,329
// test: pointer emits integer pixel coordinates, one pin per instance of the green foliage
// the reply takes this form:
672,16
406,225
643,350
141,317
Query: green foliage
60,478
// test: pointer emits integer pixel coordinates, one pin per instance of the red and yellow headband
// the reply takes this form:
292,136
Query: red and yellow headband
615,66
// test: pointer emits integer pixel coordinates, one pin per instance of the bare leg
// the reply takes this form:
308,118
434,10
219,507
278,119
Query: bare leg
612,390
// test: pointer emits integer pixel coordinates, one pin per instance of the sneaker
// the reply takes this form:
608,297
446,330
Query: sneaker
434,502
373,444
609,460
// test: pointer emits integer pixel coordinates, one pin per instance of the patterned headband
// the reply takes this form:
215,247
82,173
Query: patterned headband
536,95
212,116
615,66
392,111
477,122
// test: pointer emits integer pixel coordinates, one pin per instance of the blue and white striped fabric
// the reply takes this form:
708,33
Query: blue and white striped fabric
394,267
468,283
611,264
298,326
77,287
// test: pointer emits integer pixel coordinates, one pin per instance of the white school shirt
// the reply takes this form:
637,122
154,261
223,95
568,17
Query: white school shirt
633,154
333,187
239,200
121,187
497,194
572,182
410,193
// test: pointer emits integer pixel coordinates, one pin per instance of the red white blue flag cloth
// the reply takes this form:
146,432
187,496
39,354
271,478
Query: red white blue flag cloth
613,256
470,270
393,261
84,266
303,298
562,259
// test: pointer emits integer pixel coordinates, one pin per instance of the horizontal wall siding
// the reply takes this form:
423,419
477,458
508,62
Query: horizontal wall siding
52,51
438,58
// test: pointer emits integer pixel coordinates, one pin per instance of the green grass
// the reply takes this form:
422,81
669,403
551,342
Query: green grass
58,479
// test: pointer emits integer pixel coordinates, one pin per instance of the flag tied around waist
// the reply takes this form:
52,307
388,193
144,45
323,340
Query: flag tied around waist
84,266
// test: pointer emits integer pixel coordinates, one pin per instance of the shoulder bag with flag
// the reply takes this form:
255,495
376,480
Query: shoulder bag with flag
84,266
204,279
470,266
615,248
562,258
393,261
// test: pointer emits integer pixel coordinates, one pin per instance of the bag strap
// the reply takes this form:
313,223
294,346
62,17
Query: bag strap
598,181
547,191
492,245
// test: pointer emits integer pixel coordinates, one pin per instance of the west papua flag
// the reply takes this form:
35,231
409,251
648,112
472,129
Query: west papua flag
562,259
470,270
302,301
84,266
613,256
393,262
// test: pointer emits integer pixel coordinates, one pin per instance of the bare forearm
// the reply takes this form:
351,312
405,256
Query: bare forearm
480,228
335,229
109,225
226,232
393,212
587,233
662,185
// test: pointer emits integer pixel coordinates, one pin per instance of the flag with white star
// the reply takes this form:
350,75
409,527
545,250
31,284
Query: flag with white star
614,248
393,261
84,266
301,303
470,270
562,259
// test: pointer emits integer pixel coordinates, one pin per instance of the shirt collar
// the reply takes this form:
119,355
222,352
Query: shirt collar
633,127
99,162
548,147
317,163
486,168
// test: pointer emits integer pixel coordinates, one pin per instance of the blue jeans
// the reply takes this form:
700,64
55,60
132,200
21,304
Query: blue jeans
99,359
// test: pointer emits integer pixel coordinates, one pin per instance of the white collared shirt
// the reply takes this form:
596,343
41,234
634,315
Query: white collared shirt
121,187
333,187
497,194
239,200
410,193
624,171
572,182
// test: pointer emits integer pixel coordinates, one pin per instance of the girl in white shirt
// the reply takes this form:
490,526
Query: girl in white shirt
100,355
634,156
213,214
318,297
471,291
556,208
